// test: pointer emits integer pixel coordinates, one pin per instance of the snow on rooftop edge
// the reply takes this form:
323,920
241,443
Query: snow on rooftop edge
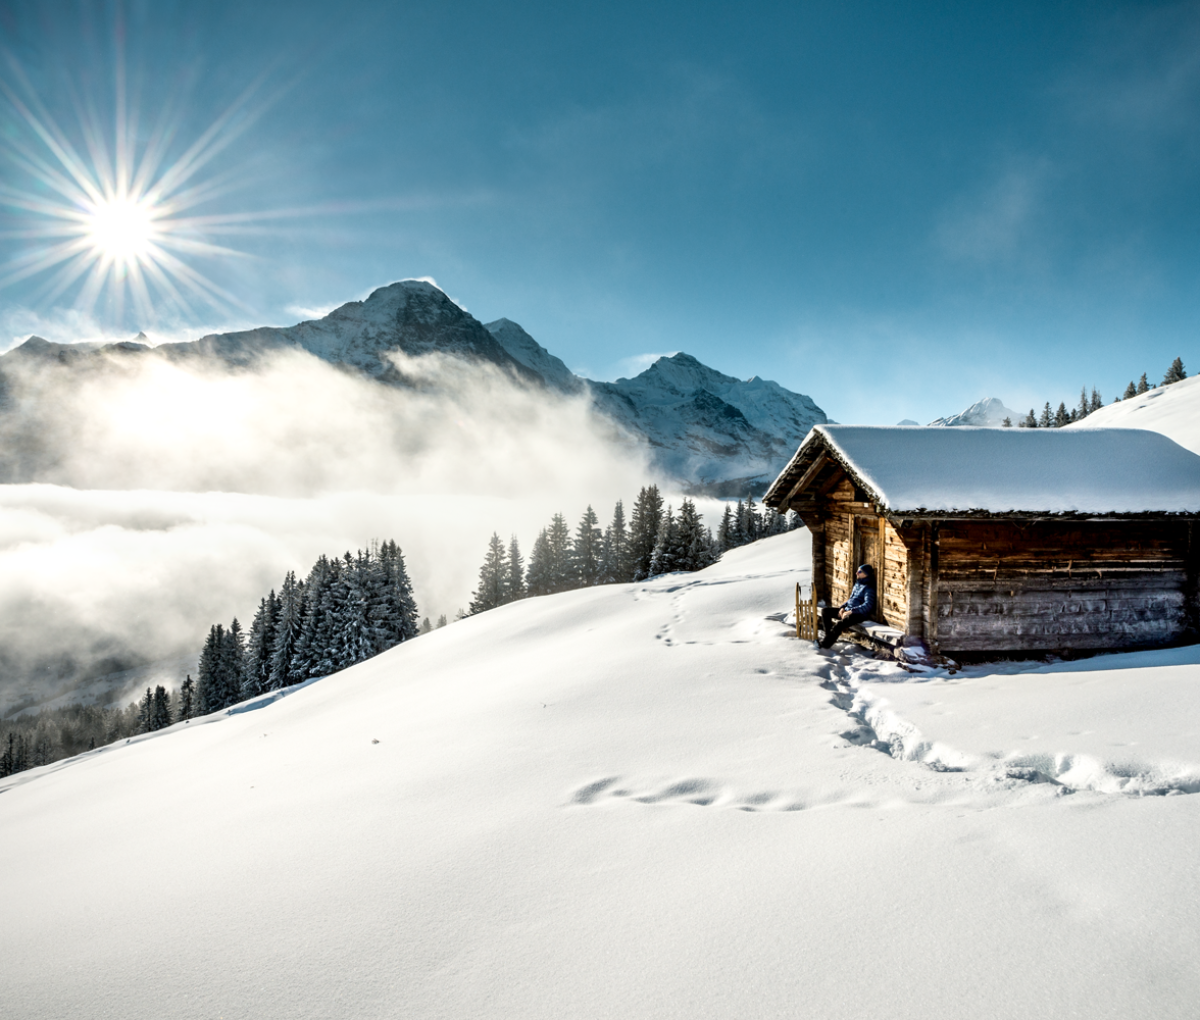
1095,471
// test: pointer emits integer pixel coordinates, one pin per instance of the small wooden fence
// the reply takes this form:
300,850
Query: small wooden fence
807,616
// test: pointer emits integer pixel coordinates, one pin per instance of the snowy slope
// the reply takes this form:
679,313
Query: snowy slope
522,347
989,412
1172,410
633,801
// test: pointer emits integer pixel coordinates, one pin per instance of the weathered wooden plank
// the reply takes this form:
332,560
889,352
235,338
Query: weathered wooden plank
808,477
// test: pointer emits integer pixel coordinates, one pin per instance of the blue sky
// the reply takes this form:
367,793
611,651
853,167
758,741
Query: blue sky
896,209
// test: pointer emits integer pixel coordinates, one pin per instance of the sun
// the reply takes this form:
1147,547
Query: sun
122,229
122,209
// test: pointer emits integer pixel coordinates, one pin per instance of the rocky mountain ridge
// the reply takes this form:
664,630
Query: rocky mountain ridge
711,432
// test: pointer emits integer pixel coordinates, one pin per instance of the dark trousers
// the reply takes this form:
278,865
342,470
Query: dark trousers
833,627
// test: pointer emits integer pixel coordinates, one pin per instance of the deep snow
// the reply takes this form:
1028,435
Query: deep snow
1172,410
633,801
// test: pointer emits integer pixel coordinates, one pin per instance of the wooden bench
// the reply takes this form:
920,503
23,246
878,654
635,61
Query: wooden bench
879,636
870,634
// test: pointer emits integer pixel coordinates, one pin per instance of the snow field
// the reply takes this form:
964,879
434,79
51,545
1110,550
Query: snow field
633,801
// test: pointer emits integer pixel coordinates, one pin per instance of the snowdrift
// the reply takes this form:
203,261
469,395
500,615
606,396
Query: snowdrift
1172,410
633,801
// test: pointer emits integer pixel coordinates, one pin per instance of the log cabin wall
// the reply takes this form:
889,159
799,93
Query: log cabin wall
837,550
893,579
1001,586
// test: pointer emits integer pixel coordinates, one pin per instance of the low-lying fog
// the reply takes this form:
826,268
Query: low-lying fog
169,498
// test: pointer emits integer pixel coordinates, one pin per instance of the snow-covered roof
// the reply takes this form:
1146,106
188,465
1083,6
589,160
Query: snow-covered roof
937,471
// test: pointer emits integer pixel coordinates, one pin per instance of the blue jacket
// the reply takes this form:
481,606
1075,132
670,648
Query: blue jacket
862,597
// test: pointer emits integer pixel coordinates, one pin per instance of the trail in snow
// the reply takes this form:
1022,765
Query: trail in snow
634,801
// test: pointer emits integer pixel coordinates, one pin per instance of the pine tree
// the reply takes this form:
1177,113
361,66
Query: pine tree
210,691
308,649
232,664
260,648
725,529
1047,419
561,566
741,524
586,566
754,526
288,624
426,626
1143,386
1061,417
1030,421
539,578
160,715
325,654
694,541
399,598
1081,411
514,572
668,552
1130,391
1095,402
354,640
644,525
146,712
187,699
1175,373
441,621
615,567
1007,423
491,590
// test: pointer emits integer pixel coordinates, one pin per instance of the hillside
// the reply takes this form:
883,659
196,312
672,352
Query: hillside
629,801
1172,410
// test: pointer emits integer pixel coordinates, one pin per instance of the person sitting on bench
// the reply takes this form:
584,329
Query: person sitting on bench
858,607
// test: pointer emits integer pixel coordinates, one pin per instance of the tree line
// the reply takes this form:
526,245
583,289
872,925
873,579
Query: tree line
656,540
1050,419
346,610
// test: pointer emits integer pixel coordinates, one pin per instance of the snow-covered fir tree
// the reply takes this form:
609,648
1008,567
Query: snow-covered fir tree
492,588
644,524
160,711
586,551
725,529
514,572
539,579
667,551
1130,391
260,647
288,621
614,554
1175,373
1061,417
1143,386
697,549
562,568
1095,402
1047,417
187,699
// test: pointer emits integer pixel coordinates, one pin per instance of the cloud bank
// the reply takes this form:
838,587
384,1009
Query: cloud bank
150,499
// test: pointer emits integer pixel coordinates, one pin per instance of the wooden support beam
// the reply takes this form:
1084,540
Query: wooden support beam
806,479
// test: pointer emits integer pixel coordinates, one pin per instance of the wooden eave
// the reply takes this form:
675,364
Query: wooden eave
810,463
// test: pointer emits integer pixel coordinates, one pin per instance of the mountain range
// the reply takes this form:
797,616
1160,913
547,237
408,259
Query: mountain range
712,433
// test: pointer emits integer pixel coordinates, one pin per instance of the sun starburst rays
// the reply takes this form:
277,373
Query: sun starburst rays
114,215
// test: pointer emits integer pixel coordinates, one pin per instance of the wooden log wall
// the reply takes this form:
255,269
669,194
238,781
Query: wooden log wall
1004,586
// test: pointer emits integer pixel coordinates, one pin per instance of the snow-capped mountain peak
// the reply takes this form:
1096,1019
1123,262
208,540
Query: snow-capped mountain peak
990,411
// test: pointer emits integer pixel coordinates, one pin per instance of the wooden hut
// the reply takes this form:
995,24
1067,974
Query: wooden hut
1005,540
